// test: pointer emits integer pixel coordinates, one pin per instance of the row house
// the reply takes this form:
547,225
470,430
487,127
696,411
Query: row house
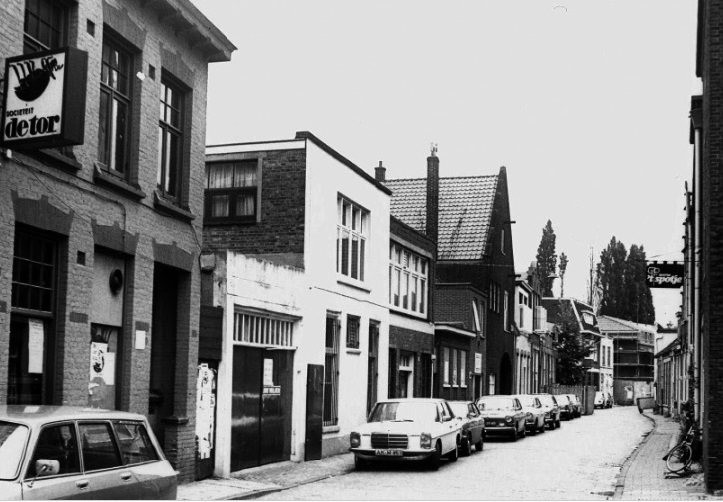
600,362
298,257
535,352
469,219
633,348
101,197
671,371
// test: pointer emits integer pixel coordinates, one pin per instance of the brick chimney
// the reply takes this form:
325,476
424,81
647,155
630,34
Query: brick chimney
432,227
380,173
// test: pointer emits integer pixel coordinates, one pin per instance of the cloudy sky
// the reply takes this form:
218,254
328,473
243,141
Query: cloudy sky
585,103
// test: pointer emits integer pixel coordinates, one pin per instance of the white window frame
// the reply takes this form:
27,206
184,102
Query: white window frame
349,227
408,273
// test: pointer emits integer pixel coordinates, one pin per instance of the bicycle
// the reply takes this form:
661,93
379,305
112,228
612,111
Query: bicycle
681,456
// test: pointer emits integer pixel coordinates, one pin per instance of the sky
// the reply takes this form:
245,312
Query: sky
585,103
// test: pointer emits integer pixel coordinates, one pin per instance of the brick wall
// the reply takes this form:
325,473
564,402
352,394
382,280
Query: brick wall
281,229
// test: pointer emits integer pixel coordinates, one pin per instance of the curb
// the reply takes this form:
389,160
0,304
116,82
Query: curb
620,480
266,491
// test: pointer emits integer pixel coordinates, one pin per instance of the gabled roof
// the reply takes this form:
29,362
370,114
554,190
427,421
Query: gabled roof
673,346
465,212
613,324
554,309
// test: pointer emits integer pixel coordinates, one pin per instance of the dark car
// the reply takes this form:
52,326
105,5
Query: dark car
503,416
552,410
58,452
567,409
473,425
576,405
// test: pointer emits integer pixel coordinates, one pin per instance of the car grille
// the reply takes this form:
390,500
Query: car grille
380,440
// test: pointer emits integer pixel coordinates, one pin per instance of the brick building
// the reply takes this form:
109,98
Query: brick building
469,217
703,320
297,261
99,276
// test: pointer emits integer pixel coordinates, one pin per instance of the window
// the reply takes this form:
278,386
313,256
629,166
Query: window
445,368
455,379
491,384
57,442
475,317
46,24
352,231
407,279
331,373
99,448
263,330
352,332
135,445
170,140
502,241
115,107
232,191
505,316
33,280
373,368
463,368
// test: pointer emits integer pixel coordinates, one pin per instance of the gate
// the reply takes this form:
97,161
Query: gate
314,411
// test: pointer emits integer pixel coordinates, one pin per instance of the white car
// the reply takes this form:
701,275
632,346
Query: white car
407,429
534,413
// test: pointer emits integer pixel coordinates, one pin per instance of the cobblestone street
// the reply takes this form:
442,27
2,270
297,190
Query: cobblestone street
580,461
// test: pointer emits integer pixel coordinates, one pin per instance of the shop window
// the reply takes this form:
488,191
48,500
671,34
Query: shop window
331,373
352,233
352,332
46,25
170,139
115,107
232,191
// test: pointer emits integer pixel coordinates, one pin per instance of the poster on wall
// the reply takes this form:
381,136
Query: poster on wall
205,410
100,361
36,345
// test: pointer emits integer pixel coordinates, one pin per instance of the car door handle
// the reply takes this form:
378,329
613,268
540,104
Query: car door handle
82,484
125,476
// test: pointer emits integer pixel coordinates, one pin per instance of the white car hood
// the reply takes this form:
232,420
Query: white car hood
390,427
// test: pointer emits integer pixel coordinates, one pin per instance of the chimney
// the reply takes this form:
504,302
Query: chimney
380,173
432,228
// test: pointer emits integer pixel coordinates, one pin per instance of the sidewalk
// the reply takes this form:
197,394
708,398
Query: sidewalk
251,483
644,475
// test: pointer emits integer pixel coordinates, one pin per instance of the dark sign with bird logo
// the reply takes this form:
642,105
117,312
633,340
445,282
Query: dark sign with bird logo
44,99
664,275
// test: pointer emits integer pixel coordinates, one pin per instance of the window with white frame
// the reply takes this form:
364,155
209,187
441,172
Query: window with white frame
408,279
263,330
352,331
475,316
352,231
463,368
445,365
330,416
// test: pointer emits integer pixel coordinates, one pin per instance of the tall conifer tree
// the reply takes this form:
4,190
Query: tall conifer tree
547,259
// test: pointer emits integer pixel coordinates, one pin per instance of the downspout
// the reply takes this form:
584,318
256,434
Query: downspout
697,373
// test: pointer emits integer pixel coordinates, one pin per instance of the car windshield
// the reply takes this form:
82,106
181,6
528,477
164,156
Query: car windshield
459,409
12,446
562,399
497,403
547,400
404,412
527,401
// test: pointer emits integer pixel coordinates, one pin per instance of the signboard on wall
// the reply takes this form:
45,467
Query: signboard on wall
664,275
44,99
477,363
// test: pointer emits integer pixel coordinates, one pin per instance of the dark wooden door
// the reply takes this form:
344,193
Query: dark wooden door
314,411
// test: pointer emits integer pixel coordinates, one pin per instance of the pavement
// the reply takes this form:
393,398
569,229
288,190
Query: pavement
643,476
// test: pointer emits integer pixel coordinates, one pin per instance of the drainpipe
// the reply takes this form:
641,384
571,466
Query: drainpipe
698,373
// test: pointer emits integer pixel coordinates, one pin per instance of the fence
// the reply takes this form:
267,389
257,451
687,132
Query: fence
586,393
626,392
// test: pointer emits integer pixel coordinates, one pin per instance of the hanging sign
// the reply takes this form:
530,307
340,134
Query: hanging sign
44,99
664,275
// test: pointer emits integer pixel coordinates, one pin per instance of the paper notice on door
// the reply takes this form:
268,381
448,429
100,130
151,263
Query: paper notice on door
268,372
36,345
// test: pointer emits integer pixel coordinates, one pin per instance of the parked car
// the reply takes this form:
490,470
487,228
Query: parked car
535,413
473,425
566,407
503,416
552,410
56,452
603,400
576,405
407,429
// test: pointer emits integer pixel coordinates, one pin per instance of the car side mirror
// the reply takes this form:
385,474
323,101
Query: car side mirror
45,467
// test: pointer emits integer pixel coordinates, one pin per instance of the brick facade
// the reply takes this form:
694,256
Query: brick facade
88,213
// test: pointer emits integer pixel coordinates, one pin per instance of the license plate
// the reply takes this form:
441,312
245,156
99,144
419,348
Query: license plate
389,453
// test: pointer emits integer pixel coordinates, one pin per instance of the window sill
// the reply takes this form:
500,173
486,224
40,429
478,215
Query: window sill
353,351
116,184
352,283
330,429
239,222
169,208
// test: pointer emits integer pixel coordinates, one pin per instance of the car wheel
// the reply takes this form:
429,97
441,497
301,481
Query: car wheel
541,428
360,464
466,447
454,454
480,444
524,432
557,423
514,436
436,457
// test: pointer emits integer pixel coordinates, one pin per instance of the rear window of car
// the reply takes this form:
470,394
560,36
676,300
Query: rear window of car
135,444
460,409
12,445
99,449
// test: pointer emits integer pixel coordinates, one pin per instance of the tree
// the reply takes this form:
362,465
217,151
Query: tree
572,348
621,277
563,268
547,259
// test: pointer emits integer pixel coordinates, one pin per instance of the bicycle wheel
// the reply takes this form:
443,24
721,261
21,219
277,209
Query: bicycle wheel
679,458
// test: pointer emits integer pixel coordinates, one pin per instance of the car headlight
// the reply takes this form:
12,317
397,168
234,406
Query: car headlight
508,419
425,440
355,439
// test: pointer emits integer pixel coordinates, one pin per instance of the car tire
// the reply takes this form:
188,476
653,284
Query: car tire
435,458
454,454
360,464
480,444
541,429
557,423
513,437
466,447
524,432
